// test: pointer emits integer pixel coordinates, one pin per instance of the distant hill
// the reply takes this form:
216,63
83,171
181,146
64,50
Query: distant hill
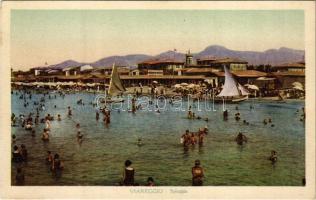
129,60
67,63
271,56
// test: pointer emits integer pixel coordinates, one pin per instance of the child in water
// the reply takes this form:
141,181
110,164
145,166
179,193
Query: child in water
49,158
45,136
139,142
79,137
273,157
150,181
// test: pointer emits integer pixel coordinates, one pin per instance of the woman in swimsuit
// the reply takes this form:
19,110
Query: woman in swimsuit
128,176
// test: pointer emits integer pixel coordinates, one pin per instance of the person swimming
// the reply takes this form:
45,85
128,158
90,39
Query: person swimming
189,114
150,181
13,138
28,126
58,117
237,116
78,126
139,142
265,122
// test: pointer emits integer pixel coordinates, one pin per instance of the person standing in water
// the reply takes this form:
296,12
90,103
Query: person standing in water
69,111
273,157
49,158
197,174
79,137
128,176
19,177
97,116
57,166
225,115
241,138
45,136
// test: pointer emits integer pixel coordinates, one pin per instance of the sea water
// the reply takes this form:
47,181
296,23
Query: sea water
99,160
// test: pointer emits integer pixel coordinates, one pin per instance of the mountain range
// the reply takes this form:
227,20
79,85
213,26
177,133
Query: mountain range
271,57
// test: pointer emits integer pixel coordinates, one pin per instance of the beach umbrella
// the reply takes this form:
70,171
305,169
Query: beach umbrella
253,87
80,84
177,86
26,84
298,84
35,83
191,86
17,83
90,84
209,81
298,88
184,84
155,82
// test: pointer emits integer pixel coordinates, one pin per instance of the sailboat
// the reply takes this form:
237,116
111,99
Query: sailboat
233,92
116,87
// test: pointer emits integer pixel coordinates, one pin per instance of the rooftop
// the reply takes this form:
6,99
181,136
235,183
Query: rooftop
249,73
206,58
161,61
243,73
288,73
198,70
289,65
230,60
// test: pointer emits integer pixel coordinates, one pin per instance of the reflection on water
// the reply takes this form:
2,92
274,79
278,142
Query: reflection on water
99,159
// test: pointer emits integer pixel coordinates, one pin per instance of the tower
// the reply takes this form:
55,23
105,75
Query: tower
188,58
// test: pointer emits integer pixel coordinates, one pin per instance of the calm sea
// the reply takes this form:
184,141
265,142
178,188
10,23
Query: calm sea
100,158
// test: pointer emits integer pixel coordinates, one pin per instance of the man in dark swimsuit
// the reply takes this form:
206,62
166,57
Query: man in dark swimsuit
197,174
241,138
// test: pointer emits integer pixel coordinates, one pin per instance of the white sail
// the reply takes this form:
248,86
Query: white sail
230,88
243,90
116,85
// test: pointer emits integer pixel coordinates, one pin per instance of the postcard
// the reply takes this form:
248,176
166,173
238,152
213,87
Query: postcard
168,100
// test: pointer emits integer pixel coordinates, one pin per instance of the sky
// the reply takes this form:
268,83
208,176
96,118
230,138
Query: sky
53,36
